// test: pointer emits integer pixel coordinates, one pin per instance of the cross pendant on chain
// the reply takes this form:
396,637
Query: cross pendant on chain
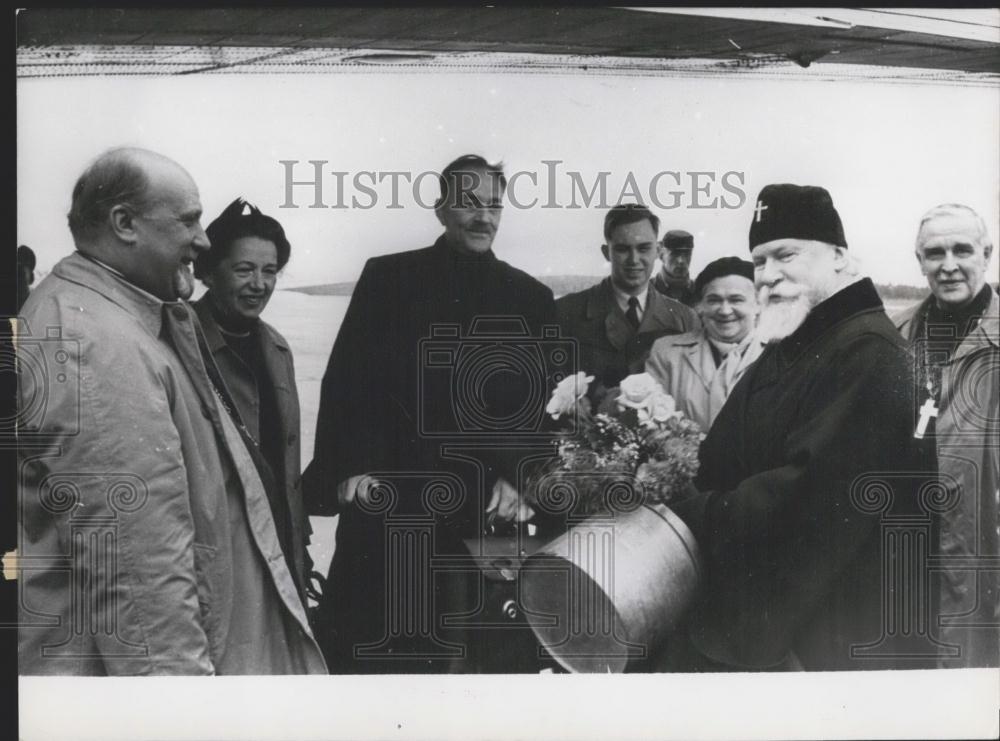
927,412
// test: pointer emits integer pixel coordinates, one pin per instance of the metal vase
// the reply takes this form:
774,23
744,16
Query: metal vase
608,590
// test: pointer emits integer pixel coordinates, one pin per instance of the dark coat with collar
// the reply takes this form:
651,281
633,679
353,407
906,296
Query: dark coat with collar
243,391
684,292
391,405
789,512
608,347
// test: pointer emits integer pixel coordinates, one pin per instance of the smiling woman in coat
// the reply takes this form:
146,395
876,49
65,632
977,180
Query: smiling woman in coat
241,269
700,368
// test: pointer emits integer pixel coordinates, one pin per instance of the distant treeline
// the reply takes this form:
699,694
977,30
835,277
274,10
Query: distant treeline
326,289
563,284
889,291
560,285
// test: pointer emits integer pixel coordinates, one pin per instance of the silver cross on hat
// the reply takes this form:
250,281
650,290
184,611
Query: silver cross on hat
759,210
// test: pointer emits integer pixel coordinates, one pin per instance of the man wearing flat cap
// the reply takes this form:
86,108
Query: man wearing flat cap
817,433
674,280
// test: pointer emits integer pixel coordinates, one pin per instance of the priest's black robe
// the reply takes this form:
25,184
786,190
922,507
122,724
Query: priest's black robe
806,480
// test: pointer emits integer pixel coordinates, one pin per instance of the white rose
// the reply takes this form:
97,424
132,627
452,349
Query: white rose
662,407
567,393
637,390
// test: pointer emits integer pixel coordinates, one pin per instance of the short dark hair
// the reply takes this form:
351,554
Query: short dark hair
233,224
628,213
115,177
466,165
26,256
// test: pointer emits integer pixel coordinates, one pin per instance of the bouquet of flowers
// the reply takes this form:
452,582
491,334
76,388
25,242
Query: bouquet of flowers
637,440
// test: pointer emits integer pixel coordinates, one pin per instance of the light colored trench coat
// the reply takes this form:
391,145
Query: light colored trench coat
243,390
967,439
146,538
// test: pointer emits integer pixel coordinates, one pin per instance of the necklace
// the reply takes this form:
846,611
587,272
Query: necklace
930,366
931,373
215,382
233,415
931,370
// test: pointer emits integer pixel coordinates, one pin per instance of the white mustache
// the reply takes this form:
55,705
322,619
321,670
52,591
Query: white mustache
766,296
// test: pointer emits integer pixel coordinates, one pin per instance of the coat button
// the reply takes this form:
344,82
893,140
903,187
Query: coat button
292,439
205,412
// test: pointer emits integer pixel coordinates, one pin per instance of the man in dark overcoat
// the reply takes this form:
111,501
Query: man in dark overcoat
810,458
426,366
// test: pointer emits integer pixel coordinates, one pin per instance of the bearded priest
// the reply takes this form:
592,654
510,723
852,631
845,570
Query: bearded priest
806,467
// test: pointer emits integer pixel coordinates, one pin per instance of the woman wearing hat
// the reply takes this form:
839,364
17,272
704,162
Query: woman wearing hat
254,362
700,368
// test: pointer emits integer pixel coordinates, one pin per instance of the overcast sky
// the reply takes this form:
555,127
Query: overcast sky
886,152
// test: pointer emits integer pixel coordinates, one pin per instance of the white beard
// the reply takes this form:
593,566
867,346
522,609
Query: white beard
778,319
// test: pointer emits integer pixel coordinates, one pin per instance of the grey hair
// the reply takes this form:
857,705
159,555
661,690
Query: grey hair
957,209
